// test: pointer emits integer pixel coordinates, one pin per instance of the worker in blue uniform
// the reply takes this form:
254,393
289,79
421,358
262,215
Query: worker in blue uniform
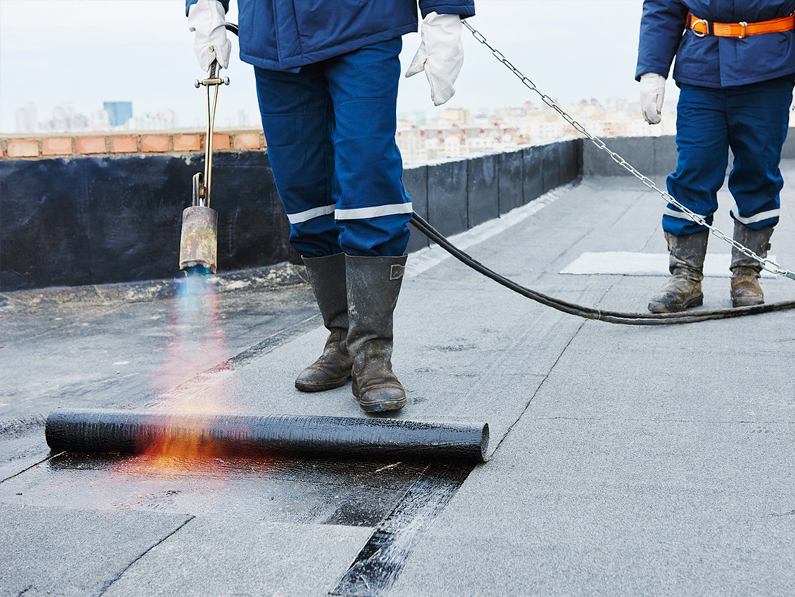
735,65
327,77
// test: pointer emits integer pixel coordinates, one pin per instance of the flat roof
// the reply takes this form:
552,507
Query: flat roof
624,460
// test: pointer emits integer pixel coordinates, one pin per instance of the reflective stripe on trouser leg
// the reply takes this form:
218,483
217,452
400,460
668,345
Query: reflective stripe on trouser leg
758,117
702,155
373,207
297,119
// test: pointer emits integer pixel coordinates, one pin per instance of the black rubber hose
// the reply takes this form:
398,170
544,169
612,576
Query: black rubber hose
589,312
137,432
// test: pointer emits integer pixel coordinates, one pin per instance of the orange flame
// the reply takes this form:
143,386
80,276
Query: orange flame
196,344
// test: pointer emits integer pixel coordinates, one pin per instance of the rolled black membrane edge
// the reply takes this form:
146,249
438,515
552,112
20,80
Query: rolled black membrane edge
135,432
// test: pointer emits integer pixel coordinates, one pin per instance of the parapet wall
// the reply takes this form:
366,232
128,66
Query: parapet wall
117,144
652,156
97,215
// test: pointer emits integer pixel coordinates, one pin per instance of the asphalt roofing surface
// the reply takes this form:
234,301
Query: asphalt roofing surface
624,459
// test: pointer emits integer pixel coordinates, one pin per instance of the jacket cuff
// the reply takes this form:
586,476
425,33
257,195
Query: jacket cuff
642,70
463,11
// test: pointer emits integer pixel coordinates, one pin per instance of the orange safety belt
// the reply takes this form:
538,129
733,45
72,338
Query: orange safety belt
703,28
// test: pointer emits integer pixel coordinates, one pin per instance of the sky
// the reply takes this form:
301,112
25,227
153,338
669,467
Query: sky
91,51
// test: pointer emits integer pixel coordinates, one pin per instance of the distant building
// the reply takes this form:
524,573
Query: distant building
458,116
27,120
417,117
65,118
99,120
157,121
118,112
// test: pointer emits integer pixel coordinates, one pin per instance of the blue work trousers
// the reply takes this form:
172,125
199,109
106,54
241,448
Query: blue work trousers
330,130
752,121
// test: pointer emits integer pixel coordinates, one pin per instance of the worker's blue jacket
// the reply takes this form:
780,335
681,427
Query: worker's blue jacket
714,61
285,34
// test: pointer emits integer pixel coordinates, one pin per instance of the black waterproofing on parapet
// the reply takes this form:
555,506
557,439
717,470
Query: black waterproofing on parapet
92,430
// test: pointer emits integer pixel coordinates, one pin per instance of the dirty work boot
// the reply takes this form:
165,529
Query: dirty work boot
683,289
333,368
373,288
746,290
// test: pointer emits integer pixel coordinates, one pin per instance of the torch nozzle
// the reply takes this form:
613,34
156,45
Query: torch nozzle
199,244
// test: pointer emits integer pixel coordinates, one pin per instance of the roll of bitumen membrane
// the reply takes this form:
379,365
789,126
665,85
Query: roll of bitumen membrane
252,435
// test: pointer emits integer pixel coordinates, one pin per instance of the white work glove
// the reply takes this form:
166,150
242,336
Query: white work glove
441,55
652,94
207,20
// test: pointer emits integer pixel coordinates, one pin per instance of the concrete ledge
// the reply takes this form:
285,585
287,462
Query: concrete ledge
109,218
256,279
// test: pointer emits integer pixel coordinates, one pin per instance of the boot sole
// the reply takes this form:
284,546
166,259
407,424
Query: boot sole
377,407
657,307
382,407
329,385
747,302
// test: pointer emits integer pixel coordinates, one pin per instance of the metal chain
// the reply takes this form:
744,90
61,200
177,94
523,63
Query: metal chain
767,264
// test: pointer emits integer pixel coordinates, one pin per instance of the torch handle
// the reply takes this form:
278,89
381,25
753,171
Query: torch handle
211,81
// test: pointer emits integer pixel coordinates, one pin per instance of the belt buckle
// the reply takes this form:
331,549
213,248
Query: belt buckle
745,30
706,26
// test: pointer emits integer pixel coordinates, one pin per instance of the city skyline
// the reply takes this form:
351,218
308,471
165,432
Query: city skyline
449,133
66,118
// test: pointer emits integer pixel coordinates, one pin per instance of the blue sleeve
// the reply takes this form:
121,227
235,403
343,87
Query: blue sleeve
465,8
661,28
189,3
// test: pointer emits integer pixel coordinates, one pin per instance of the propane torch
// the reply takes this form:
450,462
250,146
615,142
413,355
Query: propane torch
198,247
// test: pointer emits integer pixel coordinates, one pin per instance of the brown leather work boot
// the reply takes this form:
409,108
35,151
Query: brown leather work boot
373,288
686,264
745,287
333,368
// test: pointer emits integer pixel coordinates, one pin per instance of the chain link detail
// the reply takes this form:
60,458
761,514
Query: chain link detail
767,264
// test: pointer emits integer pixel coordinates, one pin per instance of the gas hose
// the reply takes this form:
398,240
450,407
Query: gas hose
588,312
